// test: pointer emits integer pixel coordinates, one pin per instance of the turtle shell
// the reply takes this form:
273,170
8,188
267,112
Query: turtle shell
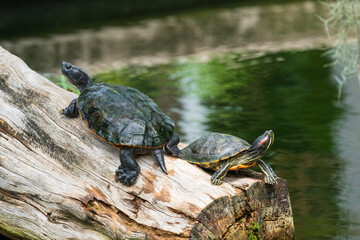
124,116
210,149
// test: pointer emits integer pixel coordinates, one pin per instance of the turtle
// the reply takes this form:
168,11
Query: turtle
124,117
223,152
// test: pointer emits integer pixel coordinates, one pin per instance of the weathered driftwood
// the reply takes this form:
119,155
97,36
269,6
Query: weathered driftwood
57,180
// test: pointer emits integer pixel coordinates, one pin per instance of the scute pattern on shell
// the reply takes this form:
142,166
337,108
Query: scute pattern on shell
124,116
213,147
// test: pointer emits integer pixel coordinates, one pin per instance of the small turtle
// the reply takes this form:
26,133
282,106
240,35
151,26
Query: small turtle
124,117
222,152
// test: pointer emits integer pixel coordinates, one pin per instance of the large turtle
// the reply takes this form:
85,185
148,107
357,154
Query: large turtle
124,117
222,152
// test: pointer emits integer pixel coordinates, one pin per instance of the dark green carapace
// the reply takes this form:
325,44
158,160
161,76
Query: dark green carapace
214,147
222,152
124,117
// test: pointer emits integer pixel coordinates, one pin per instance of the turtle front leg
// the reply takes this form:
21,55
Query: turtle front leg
72,110
172,147
269,174
129,169
217,177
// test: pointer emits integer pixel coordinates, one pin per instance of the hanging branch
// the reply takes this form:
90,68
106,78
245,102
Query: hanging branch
357,38
343,18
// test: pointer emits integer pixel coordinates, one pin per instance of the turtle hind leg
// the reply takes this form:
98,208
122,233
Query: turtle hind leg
129,169
172,147
158,155
269,174
72,110
217,177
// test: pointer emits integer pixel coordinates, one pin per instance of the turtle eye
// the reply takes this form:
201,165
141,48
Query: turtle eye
67,66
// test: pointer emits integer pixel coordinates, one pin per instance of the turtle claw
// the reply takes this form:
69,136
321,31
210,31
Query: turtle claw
216,181
119,171
158,155
127,177
71,111
270,180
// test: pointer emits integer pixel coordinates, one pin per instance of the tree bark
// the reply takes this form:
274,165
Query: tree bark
57,180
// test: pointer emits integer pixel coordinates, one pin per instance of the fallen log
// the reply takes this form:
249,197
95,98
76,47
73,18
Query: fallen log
57,180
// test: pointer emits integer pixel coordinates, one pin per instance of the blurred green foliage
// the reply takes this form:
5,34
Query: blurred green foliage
253,231
66,86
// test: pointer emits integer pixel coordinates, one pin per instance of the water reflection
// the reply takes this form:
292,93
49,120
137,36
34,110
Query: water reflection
347,138
192,115
255,27
289,92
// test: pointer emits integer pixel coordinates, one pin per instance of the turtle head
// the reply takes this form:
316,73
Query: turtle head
262,143
76,76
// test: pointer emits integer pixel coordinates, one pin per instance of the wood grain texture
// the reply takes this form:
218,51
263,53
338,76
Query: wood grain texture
57,180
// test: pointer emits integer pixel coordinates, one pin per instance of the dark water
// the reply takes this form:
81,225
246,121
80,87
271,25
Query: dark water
289,92
249,26
317,137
